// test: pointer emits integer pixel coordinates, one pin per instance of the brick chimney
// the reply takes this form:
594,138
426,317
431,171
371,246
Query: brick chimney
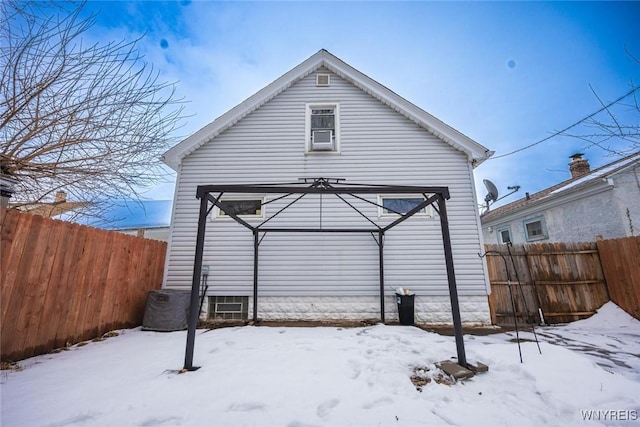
61,197
579,166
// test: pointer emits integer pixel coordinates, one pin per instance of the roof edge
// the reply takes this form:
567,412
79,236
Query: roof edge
549,201
174,155
476,152
563,188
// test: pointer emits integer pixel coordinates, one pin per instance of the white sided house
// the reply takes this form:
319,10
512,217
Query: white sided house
324,119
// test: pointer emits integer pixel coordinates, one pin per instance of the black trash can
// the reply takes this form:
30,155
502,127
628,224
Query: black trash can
406,308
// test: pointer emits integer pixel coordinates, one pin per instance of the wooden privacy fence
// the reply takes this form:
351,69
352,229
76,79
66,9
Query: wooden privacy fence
621,264
560,282
64,283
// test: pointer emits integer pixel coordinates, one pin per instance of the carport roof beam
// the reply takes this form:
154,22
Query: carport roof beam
333,189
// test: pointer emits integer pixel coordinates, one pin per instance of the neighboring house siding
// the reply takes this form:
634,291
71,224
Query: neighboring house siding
378,146
584,219
627,199
576,221
602,213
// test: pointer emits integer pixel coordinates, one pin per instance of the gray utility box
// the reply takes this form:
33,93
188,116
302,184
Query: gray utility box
167,310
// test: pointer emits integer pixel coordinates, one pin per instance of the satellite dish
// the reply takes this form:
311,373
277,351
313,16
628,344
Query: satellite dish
492,194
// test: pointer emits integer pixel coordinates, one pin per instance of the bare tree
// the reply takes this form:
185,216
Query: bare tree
616,127
91,119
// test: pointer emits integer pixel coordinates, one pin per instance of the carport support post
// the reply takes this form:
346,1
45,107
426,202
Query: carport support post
453,289
256,247
195,286
381,262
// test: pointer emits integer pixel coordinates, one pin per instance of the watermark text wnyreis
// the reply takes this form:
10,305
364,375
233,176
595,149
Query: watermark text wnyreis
609,415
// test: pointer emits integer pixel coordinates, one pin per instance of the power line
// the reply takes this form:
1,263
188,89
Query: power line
553,135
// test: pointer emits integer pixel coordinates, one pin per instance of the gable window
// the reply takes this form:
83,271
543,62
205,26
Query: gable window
250,208
398,205
504,234
535,229
322,127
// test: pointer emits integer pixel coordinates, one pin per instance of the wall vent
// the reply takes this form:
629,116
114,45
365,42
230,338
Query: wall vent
322,80
228,308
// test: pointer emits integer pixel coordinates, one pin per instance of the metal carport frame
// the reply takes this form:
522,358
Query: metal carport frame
330,186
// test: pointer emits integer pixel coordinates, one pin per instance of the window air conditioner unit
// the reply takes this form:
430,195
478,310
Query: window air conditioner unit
322,140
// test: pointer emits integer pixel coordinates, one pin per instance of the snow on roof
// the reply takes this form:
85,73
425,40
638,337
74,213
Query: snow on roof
561,188
602,172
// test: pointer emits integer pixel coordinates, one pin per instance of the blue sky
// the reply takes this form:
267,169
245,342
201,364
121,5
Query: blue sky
506,74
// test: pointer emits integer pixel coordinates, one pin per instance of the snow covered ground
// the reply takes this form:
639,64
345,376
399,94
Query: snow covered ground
328,376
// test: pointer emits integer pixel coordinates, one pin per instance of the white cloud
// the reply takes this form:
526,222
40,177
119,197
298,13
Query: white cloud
449,59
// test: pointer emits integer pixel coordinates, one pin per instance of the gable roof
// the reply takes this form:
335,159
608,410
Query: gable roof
475,152
563,188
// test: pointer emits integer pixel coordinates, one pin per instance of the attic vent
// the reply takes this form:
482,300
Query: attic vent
322,80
